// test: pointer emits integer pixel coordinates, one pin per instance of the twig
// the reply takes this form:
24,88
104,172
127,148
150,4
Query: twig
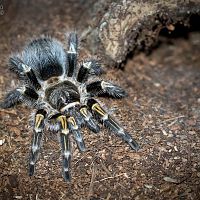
106,169
111,177
92,181
171,119
174,118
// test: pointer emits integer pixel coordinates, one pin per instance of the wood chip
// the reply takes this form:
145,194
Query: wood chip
170,180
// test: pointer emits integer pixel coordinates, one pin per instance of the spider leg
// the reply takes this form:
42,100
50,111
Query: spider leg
110,123
23,94
11,99
24,71
72,53
65,146
37,139
89,67
77,133
98,88
89,120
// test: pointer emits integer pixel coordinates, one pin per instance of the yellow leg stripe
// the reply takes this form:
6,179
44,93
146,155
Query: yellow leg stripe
72,121
38,120
84,111
63,121
96,107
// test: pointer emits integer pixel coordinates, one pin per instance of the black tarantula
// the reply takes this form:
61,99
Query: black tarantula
62,92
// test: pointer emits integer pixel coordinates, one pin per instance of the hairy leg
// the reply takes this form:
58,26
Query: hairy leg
24,72
76,133
98,88
37,139
89,120
87,68
22,94
65,147
110,123
72,53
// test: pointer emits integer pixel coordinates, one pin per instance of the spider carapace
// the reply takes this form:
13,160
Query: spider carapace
62,92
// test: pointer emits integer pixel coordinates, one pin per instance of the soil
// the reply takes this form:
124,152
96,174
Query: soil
161,112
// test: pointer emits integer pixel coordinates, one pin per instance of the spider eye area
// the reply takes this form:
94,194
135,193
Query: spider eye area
52,80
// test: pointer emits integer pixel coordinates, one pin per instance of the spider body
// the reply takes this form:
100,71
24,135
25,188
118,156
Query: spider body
62,93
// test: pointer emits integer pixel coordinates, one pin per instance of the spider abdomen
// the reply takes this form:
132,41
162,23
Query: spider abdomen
46,56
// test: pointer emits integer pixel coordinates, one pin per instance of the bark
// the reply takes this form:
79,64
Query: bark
123,26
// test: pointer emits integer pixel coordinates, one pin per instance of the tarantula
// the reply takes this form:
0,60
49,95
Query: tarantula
62,91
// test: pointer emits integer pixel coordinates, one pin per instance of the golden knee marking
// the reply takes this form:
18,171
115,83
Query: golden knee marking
38,120
73,122
63,121
84,112
96,107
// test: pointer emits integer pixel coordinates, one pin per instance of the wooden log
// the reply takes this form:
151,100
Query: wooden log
116,28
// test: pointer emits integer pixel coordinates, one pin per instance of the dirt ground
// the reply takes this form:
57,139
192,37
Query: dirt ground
162,112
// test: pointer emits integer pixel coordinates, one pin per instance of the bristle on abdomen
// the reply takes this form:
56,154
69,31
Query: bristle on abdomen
47,58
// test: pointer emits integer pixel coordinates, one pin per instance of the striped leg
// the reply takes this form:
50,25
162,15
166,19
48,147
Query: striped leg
72,53
24,71
89,120
110,123
76,133
37,140
11,99
23,94
65,146
105,88
88,67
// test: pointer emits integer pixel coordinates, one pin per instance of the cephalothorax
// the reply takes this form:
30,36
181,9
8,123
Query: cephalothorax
62,92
